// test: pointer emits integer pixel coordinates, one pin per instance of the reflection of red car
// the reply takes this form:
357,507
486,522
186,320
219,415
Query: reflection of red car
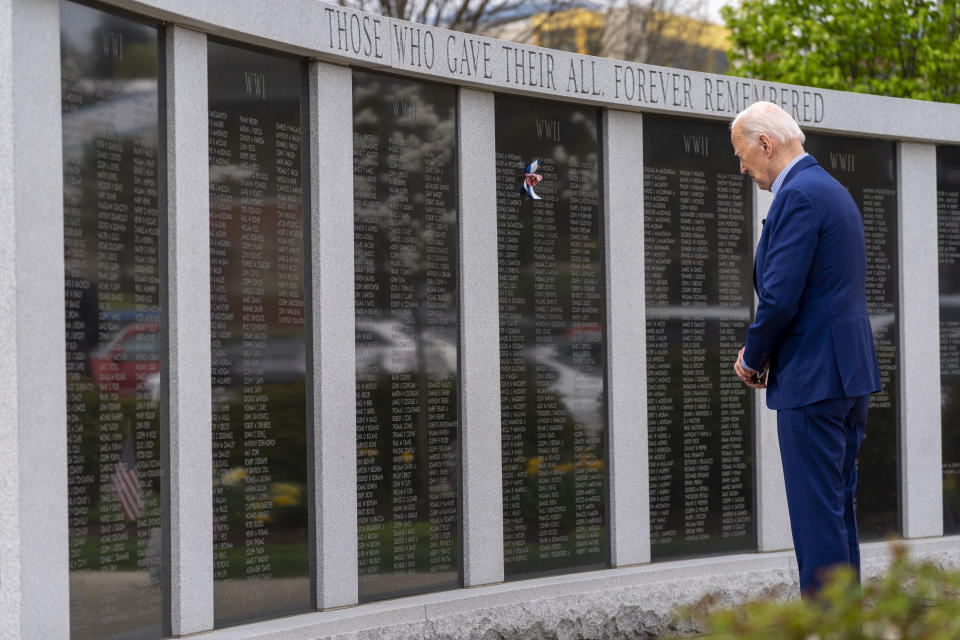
131,361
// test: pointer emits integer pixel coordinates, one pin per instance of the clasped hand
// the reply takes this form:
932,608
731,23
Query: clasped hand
750,377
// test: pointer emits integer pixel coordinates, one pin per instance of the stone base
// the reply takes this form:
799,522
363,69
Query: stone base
629,602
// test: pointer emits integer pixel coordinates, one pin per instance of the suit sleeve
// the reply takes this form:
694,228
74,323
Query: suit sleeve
791,245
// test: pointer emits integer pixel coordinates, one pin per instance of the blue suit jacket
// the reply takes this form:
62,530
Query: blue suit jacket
810,277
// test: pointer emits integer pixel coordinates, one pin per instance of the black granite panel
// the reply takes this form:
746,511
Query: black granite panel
698,262
406,233
867,169
948,237
115,322
552,345
260,482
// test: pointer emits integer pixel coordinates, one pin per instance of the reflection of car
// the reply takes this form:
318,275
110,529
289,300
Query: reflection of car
389,346
280,359
679,312
131,361
577,374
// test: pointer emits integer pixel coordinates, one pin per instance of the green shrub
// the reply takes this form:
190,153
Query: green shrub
913,600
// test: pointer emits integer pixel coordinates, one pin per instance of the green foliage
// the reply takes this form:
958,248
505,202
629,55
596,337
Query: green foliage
902,48
913,600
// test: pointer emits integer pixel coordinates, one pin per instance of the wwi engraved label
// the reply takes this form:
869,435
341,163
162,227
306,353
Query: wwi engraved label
114,322
261,548
698,265
407,312
866,169
550,254
948,240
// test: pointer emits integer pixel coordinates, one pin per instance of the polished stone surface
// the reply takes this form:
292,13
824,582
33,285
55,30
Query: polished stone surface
867,168
948,223
698,219
115,321
406,248
551,261
261,467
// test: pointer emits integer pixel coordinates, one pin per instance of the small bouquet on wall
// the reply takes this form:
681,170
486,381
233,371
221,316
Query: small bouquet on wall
531,179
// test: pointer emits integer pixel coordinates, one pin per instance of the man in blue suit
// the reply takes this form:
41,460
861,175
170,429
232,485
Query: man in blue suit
810,344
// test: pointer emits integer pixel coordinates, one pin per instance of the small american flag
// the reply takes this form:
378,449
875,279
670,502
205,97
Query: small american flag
127,482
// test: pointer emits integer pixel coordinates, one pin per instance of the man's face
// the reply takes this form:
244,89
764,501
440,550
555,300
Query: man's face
753,161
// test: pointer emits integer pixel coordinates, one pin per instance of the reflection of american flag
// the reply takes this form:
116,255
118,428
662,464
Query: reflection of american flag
127,482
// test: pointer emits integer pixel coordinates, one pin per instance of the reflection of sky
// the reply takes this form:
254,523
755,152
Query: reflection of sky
124,115
81,20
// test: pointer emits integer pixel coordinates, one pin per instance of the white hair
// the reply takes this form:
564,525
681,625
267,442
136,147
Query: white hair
768,118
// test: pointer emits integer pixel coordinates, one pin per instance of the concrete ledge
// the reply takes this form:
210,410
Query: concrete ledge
630,602
332,33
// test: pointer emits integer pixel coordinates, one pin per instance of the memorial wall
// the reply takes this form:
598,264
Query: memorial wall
406,233
550,257
705,458
948,229
867,169
698,236
258,343
113,239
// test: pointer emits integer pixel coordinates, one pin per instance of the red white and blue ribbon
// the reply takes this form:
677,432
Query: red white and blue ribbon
531,179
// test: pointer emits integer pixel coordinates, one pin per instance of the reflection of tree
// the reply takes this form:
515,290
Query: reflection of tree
406,305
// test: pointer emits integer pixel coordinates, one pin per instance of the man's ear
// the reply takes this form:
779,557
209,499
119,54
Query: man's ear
763,140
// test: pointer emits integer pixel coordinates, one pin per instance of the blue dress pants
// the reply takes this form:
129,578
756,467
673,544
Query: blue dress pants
818,447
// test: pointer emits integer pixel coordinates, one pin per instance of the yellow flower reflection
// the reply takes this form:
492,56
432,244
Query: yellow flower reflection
533,466
286,494
233,477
